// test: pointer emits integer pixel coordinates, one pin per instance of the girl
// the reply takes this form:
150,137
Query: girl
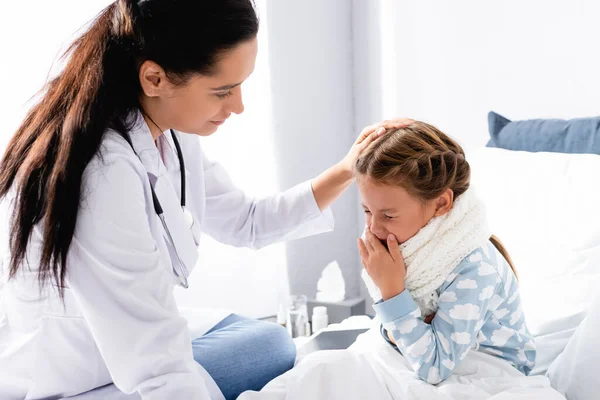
442,284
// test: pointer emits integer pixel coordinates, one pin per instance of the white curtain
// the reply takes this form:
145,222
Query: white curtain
32,36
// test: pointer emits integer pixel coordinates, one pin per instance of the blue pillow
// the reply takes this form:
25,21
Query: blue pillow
581,135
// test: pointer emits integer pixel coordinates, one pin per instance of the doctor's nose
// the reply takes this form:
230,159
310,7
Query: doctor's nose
236,104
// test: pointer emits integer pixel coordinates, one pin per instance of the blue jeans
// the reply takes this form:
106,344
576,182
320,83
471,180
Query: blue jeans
244,354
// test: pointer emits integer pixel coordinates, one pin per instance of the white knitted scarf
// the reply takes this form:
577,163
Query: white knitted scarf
437,249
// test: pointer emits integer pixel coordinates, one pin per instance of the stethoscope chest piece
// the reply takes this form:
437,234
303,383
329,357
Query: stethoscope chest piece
179,268
187,217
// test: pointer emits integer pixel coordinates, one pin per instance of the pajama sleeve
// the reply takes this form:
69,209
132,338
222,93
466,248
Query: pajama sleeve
465,303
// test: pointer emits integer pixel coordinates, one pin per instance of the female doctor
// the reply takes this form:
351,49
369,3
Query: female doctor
107,200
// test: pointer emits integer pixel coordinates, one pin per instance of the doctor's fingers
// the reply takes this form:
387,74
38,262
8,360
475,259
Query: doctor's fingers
365,142
396,123
370,132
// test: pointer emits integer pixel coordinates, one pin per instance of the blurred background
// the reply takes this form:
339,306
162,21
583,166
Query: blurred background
325,70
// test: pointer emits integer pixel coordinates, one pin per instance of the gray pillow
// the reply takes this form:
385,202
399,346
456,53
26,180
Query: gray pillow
581,135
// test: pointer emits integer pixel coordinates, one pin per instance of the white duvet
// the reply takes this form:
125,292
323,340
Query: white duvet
371,369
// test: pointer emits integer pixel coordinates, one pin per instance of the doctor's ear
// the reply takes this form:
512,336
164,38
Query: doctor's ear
444,203
153,79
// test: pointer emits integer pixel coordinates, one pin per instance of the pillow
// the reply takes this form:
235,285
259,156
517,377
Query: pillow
573,373
580,135
544,208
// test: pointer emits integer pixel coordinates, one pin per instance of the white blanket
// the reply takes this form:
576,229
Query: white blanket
371,369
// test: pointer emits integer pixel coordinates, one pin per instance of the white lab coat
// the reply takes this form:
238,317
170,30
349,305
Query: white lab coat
120,322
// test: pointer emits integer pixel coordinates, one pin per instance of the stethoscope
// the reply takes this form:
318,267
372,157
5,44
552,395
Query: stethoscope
179,269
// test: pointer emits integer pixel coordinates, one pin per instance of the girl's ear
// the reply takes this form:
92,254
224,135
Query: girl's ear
444,203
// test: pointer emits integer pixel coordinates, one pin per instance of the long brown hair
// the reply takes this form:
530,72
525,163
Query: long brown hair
425,162
98,88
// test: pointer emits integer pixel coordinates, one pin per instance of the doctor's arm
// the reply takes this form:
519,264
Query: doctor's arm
118,277
233,218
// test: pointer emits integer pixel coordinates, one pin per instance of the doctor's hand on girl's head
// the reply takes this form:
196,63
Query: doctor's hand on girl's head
385,266
368,135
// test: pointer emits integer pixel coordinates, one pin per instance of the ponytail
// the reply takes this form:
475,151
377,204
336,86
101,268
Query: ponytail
500,247
50,150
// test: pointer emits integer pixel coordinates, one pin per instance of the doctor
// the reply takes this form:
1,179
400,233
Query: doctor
107,200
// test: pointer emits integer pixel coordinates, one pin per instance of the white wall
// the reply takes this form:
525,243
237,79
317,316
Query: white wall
457,60
33,34
311,54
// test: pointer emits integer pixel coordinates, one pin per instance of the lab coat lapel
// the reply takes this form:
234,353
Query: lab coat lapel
180,232
172,164
166,193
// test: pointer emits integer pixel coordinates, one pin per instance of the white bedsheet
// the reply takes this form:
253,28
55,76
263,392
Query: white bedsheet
108,392
371,369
